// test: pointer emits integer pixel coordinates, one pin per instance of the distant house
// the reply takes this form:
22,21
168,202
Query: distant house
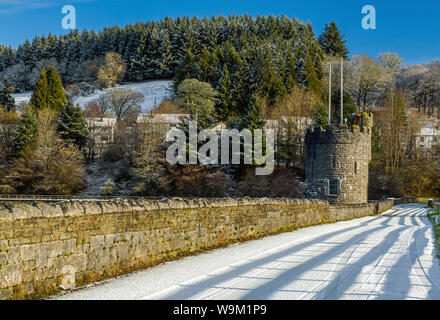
429,136
300,122
170,120
102,132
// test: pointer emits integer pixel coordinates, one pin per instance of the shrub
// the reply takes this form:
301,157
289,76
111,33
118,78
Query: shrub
108,188
48,165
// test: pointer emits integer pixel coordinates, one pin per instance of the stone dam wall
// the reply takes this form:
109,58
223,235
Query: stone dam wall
45,247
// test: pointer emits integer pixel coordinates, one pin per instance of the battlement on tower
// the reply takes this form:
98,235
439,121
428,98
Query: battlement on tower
359,126
335,134
357,131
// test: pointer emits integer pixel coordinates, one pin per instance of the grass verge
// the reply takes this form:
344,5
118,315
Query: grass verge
434,217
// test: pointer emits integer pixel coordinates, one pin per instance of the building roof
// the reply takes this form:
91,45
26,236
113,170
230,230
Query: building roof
161,118
104,122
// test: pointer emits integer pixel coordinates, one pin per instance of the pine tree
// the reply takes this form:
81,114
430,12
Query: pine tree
332,41
158,49
25,132
224,106
149,57
6,100
350,106
311,80
55,95
252,120
72,125
254,116
166,63
188,69
39,96
320,116
49,91
273,87
290,76
244,88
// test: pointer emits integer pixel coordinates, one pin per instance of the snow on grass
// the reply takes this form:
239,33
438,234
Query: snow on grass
23,97
154,92
99,171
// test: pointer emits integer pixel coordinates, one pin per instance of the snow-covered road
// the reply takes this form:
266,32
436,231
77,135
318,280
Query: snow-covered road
391,256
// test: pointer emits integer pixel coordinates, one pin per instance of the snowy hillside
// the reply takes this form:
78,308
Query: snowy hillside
154,92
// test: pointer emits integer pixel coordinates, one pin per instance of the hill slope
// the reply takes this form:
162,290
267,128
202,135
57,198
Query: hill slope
154,93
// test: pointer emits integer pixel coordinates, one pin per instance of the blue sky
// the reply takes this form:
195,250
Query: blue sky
410,28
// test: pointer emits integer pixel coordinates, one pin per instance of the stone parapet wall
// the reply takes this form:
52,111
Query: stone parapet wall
342,211
353,211
383,206
44,246
410,200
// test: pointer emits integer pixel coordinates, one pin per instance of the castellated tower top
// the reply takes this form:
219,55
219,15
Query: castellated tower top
337,161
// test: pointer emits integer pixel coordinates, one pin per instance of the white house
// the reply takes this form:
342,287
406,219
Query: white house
429,136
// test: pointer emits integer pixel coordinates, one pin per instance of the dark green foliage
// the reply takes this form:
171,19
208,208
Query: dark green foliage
25,132
198,99
254,116
7,102
376,140
332,41
290,75
148,62
55,95
224,105
320,116
188,69
49,91
39,96
167,63
183,48
350,107
72,125
252,120
312,80
273,86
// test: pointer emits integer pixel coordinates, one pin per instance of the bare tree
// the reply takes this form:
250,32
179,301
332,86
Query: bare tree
7,129
391,61
292,115
18,74
367,80
152,134
397,129
98,108
427,92
140,143
123,102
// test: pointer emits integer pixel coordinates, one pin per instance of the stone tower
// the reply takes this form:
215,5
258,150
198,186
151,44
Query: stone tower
337,161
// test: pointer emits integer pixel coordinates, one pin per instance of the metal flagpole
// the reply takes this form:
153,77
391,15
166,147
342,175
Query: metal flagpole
342,91
330,94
